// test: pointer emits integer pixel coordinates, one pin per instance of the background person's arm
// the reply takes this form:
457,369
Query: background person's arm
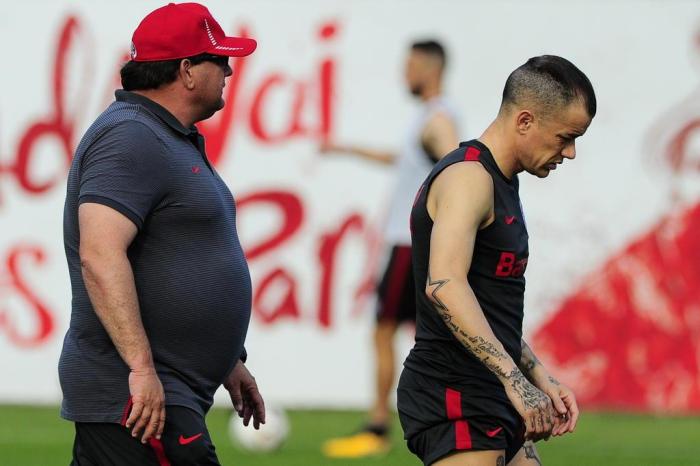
439,136
460,201
382,157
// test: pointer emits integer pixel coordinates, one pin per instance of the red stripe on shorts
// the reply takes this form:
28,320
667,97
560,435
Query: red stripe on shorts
157,446
472,154
127,409
453,404
400,264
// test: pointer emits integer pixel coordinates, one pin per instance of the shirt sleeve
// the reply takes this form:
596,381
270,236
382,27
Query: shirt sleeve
126,169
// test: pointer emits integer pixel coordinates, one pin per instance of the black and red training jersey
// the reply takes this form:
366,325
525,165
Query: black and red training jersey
496,276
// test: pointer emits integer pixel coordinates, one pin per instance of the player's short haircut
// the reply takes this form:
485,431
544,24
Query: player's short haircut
549,82
432,48
143,76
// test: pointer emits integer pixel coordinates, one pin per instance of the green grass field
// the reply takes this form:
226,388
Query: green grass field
33,436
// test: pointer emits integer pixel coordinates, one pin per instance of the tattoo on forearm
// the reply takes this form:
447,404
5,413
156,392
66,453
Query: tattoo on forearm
528,360
486,351
553,380
531,453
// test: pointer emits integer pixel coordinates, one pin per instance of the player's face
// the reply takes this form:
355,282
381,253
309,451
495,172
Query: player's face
416,72
553,139
210,82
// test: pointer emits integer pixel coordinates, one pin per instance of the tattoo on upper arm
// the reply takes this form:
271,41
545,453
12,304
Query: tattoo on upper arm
501,461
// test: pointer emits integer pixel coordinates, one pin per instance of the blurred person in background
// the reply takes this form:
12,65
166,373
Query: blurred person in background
472,391
432,134
161,287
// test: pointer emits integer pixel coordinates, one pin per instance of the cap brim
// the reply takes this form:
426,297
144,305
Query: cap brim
234,47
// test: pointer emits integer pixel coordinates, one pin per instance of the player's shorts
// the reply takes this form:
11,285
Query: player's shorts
397,291
439,420
185,441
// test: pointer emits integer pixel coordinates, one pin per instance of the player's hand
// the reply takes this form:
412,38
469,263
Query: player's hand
533,405
148,405
245,396
565,406
329,148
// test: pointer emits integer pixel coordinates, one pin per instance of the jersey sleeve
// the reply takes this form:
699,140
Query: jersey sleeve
125,169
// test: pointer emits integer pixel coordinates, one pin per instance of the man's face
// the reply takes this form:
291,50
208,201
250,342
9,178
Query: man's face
210,82
552,139
416,71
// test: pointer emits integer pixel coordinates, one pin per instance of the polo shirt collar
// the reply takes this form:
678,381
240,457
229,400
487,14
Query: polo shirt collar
157,109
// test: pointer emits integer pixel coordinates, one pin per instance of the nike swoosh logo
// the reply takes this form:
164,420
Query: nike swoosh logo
185,440
494,432
510,219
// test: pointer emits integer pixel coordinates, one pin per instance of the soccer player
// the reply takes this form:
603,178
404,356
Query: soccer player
472,391
432,134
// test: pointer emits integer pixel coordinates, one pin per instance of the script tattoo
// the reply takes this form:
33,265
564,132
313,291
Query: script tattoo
531,453
486,351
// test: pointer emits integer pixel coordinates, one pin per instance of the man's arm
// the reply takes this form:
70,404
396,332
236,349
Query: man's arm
562,397
105,236
460,201
439,136
382,157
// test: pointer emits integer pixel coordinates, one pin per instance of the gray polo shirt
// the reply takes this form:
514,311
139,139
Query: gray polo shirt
191,275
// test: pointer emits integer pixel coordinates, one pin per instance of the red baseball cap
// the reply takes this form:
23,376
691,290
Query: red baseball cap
184,30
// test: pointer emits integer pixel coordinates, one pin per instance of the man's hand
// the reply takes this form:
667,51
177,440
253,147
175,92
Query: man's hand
148,404
564,403
245,396
533,405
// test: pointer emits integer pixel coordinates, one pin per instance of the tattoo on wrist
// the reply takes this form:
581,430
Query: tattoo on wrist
528,360
553,380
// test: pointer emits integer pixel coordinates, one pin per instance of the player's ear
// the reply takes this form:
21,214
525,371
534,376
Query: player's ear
524,120
185,74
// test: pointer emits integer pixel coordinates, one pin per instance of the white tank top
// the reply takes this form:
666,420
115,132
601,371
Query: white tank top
412,166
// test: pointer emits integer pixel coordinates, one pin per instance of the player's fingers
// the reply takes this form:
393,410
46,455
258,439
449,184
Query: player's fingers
529,426
258,404
247,413
135,414
559,405
573,415
151,425
237,399
142,421
161,424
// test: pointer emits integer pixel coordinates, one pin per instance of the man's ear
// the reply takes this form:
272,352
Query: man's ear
185,74
525,119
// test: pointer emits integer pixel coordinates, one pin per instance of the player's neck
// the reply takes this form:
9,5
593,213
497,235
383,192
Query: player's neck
430,92
502,150
173,103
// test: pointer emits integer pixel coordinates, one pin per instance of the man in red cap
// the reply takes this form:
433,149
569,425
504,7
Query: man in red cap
161,288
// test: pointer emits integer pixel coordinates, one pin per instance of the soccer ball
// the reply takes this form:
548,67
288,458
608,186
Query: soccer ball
270,437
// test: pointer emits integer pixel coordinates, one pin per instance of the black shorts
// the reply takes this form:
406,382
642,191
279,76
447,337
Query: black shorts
397,292
439,420
185,441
